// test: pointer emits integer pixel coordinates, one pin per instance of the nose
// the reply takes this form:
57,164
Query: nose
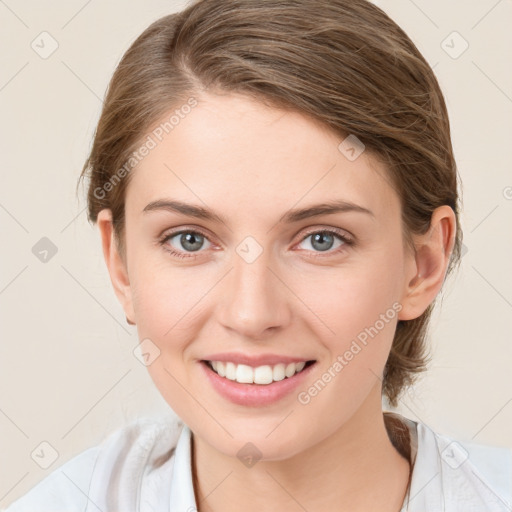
255,301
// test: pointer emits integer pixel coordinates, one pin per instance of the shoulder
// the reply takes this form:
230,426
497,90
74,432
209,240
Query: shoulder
470,475
143,448
62,489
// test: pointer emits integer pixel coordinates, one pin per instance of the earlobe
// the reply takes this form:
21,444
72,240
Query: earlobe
115,264
431,260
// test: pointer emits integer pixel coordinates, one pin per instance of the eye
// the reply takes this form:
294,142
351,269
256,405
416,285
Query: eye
183,242
324,240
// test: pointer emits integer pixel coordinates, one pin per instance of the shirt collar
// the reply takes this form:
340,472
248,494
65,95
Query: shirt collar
432,488
182,489
424,493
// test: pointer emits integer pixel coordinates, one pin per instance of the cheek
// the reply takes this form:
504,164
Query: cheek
163,296
350,299
170,304
356,310
358,324
166,303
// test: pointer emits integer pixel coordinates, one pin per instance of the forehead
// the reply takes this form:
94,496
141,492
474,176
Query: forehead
234,154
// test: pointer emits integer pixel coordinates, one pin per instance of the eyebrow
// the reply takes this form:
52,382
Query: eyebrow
291,216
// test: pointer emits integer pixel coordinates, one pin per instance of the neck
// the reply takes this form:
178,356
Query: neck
355,469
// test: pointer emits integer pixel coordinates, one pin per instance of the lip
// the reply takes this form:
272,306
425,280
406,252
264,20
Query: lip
254,395
254,361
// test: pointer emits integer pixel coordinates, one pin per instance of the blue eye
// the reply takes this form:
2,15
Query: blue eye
323,240
185,243
190,242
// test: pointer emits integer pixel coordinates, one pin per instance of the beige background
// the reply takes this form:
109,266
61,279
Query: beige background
68,376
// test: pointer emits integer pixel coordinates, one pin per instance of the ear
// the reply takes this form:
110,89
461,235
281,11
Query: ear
428,263
116,265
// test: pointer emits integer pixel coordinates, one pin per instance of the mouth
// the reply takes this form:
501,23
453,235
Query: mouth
260,375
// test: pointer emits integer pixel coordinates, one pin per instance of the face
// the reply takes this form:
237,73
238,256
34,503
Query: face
234,256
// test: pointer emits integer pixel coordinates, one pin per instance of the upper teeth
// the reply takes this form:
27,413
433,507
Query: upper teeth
259,375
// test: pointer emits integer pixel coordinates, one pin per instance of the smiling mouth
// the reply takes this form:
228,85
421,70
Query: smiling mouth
262,375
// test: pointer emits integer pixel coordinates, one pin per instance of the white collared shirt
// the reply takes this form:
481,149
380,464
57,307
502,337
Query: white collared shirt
146,467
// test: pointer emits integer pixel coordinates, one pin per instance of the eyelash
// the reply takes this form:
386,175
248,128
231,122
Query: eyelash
347,241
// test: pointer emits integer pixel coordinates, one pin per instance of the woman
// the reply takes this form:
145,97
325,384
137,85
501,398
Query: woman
276,193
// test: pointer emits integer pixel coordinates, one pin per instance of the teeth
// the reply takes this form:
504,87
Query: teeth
244,374
261,375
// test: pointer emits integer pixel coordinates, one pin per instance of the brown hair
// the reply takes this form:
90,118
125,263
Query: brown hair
344,64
